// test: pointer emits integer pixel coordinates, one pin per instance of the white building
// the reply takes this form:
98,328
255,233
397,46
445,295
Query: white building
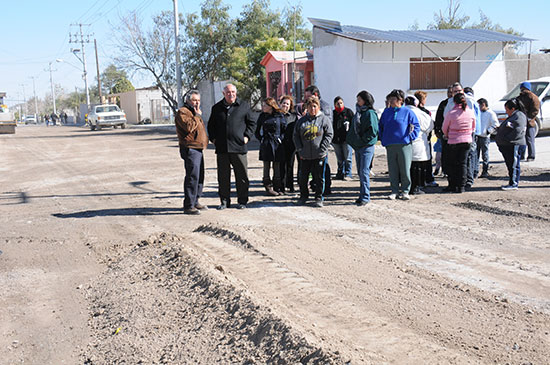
143,105
349,59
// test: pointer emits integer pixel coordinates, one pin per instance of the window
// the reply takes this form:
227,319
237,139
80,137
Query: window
432,73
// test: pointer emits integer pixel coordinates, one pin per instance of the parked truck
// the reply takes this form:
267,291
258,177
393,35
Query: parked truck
7,119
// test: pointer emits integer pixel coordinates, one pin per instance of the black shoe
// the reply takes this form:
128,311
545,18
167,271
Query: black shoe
529,159
459,190
300,202
467,187
418,191
448,189
193,211
318,203
484,175
222,206
241,206
361,203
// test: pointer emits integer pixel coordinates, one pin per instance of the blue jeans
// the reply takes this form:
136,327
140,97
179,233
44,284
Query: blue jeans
483,152
344,155
472,163
194,176
511,154
363,159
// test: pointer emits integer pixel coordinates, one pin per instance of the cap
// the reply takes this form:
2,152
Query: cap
525,85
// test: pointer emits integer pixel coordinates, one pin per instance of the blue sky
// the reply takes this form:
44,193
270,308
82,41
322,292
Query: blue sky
35,33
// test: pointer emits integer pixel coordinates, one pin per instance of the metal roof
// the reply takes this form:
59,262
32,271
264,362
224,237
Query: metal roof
414,36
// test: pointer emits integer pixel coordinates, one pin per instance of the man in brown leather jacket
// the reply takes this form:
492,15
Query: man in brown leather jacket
532,107
192,141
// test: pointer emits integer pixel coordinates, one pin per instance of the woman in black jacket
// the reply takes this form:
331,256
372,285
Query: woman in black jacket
269,131
287,165
510,136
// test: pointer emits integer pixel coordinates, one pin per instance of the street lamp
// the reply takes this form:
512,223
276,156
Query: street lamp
75,51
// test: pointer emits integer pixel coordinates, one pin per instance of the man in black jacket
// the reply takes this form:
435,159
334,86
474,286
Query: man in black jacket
230,127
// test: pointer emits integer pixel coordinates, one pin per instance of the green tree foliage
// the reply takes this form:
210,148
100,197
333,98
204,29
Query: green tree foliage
114,80
208,43
486,23
121,86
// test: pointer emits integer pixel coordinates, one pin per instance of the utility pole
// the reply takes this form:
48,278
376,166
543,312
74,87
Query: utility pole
53,89
79,38
24,98
98,78
35,101
177,50
294,59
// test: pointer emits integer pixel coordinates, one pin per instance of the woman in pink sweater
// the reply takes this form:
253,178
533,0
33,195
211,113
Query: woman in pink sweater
458,127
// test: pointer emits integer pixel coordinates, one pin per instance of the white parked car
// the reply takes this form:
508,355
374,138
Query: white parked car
106,115
541,88
29,119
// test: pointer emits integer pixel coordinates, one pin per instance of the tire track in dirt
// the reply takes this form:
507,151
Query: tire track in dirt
352,329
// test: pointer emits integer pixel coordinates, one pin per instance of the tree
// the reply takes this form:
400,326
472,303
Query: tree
451,18
486,23
111,77
151,51
208,43
121,86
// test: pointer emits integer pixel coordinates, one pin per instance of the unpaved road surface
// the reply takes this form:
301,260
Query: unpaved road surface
98,265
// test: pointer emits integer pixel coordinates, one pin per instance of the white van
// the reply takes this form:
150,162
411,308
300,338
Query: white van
541,88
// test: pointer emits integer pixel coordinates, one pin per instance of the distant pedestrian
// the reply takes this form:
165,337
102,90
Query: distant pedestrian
398,127
489,125
421,96
47,120
230,128
510,136
54,118
362,136
193,140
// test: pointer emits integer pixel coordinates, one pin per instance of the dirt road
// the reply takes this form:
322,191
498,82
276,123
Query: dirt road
98,265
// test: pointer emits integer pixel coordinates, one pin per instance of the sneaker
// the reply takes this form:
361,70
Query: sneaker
371,173
392,196
318,203
509,187
222,206
192,211
405,196
432,184
241,206
361,203
199,206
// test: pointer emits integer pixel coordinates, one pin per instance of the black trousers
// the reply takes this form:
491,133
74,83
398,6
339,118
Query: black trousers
239,163
287,171
420,172
317,169
194,176
457,168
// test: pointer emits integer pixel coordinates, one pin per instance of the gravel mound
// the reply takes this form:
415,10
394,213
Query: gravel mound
156,305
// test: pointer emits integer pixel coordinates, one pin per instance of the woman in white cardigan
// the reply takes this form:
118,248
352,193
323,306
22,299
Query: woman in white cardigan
421,151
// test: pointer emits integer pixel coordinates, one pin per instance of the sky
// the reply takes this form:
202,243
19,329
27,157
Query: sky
35,33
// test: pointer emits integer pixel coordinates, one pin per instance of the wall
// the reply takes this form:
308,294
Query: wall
516,67
344,67
211,93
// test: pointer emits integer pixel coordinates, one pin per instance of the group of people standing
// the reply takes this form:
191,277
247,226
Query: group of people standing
304,133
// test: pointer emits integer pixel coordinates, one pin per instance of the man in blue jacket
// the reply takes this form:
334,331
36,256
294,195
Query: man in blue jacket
230,127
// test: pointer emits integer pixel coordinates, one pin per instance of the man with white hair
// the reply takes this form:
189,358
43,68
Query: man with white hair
230,128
